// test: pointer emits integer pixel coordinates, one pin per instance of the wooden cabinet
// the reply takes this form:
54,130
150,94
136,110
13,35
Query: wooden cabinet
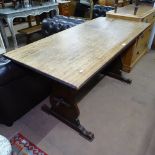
64,8
136,50
146,13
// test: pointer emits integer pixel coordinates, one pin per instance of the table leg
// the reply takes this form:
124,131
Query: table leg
115,6
65,108
114,71
10,25
57,11
37,18
136,6
4,36
29,21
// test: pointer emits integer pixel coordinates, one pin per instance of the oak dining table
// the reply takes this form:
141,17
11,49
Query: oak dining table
71,58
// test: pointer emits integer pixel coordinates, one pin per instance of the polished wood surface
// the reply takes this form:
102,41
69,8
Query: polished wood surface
64,8
31,30
75,55
127,12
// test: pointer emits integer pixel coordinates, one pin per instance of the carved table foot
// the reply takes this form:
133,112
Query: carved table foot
114,71
119,77
68,112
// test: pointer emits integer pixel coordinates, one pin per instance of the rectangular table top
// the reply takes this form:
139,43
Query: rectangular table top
128,11
76,54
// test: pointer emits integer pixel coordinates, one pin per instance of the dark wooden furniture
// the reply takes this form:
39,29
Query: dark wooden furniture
71,58
2,3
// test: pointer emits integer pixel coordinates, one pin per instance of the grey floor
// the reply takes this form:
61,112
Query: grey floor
121,116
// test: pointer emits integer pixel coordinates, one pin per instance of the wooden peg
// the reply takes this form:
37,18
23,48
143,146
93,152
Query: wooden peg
136,7
115,6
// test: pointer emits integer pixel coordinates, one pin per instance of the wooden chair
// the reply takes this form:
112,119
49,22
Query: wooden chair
131,1
2,3
78,7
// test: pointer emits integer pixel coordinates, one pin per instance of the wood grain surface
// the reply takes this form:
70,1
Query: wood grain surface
128,12
75,55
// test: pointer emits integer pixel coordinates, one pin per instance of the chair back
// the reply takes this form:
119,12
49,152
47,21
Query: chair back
82,8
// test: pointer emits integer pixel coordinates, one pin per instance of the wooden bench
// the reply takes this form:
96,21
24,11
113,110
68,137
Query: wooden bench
30,30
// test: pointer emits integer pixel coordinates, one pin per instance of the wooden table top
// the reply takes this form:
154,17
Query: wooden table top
76,54
128,11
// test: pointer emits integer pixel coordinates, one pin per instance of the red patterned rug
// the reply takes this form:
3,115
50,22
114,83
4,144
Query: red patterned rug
22,146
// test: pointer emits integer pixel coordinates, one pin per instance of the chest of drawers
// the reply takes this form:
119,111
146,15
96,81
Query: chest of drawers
136,50
146,14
